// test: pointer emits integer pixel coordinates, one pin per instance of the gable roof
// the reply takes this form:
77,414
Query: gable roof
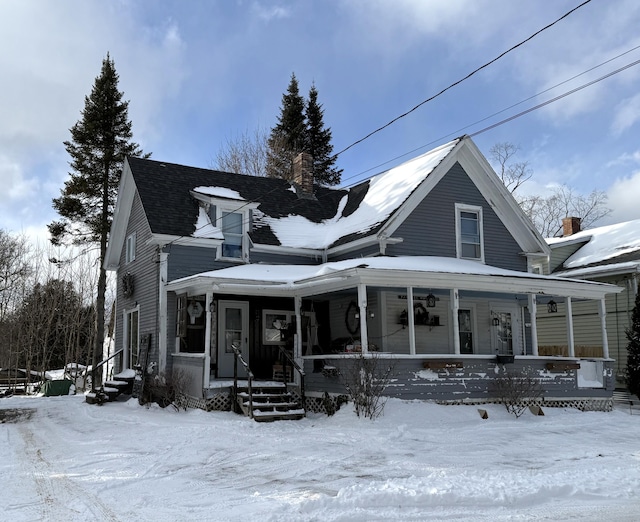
334,219
611,247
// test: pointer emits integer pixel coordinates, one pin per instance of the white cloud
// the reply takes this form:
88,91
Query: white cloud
625,159
627,113
623,198
272,12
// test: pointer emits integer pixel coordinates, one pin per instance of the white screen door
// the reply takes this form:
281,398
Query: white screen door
233,329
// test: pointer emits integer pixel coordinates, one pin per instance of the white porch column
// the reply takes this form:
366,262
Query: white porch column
533,312
207,338
602,312
297,347
162,312
570,338
411,324
362,306
455,325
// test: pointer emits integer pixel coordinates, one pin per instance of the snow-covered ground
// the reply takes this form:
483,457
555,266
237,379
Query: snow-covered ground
70,461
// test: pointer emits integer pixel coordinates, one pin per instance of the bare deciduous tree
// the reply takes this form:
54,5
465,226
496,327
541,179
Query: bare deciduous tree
245,154
547,212
513,175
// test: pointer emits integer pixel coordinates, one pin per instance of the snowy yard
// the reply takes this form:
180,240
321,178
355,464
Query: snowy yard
70,461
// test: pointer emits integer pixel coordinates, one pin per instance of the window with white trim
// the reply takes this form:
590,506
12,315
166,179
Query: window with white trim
469,232
232,230
130,253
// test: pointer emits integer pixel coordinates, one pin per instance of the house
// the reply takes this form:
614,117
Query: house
609,254
430,266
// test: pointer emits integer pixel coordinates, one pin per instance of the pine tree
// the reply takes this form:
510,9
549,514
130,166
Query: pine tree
100,142
289,137
633,349
319,143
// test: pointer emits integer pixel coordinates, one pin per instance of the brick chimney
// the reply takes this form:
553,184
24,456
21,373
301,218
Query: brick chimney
303,174
570,226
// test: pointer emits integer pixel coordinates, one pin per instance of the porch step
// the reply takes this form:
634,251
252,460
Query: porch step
270,401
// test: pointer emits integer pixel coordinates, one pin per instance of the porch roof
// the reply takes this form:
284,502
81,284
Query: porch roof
412,271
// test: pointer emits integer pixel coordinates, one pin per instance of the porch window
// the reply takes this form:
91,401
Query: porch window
132,332
469,233
130,250
465,329
275,325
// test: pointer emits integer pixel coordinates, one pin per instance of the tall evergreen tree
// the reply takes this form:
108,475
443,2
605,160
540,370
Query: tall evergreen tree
289,137
100,142
633,349
319,143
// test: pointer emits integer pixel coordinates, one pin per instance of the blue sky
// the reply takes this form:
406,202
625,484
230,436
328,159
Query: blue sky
198,73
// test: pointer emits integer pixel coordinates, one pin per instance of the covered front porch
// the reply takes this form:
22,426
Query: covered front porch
449,327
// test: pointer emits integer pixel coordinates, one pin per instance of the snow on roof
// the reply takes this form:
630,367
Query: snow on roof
204,227
603,243
387,191
292,274
219,192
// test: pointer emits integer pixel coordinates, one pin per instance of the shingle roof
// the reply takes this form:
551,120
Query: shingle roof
333,217
164,189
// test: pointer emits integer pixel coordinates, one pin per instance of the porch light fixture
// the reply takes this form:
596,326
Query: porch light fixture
431,300
552,307
495,321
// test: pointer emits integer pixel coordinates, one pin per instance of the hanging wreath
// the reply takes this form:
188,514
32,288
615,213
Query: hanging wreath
127,285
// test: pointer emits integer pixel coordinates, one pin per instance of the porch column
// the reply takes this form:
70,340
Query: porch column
362,306
533,312
570,339
411,321
207,338
297,347
602,312
455,325
162,312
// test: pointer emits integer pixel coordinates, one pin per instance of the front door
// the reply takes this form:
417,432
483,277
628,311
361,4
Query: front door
506,336
233,330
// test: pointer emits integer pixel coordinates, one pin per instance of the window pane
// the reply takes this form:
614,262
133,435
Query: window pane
231,223
465,331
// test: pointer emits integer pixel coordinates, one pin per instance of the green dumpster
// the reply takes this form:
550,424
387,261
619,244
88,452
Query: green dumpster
61,387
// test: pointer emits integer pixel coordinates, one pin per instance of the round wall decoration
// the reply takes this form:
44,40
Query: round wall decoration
352,318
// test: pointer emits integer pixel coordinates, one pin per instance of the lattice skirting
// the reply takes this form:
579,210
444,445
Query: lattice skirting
219,402
579,403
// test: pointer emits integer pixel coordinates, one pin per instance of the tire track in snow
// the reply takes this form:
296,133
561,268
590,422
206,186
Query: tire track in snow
60,498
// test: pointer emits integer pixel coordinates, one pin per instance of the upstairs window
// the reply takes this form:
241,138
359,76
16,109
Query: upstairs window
130,253
469,232
232,230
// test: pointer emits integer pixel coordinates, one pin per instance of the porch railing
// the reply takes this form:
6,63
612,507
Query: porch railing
238,357
94,370
288,360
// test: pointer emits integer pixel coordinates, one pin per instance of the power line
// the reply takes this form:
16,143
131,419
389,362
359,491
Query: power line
461,129
463,79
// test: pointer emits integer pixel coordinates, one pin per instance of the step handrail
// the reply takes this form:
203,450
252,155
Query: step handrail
289,358
238,357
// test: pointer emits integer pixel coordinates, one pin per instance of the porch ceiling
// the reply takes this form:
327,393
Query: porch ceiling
414,271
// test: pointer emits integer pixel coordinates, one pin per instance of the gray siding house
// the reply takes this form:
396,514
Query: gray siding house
430,265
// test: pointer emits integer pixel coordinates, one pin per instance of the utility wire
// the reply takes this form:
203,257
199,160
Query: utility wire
463,79
458,131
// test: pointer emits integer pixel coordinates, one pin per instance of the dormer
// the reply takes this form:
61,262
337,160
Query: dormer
225,215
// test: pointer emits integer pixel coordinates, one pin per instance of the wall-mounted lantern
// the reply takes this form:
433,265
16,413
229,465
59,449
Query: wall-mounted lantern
431,300
552,307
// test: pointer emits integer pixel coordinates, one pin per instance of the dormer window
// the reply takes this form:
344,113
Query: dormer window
469,232
233,232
